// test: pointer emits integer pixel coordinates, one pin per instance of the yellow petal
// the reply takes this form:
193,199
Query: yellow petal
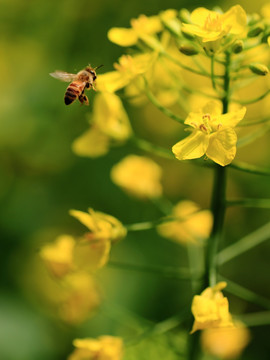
111,81
235,20
214,108
232,118
110,116
192,147
58,257
222,146
85,218
93,143
199,16
122,36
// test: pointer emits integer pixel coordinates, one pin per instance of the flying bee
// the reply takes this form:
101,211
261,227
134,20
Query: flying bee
84,79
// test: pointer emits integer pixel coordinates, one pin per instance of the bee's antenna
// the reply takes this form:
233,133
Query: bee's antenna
97,67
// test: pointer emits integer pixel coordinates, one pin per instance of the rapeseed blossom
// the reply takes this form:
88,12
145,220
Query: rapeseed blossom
138,176
96,244
192,225
210,27
226,343
211,309
109,124
102,348
58,257
212,135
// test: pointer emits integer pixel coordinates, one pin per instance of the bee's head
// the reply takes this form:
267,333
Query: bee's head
92,72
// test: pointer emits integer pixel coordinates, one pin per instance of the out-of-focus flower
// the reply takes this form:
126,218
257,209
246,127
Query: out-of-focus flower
192,225
127,69
58,257
95,247
213,134
92,143
143,28
80,298
211,309
102,348
211,26
226,343
138,176
110,123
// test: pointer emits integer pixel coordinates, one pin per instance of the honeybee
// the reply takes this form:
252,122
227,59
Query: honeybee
84,79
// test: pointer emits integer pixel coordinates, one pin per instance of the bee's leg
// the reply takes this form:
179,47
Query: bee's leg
83,99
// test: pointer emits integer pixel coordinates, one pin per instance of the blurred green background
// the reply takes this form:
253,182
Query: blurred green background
41,179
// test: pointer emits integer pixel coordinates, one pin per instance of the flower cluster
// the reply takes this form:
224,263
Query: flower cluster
74,260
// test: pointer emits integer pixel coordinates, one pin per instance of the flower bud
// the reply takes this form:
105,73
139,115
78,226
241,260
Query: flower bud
259,69
187,35
188,50
237,47
184,16
255,31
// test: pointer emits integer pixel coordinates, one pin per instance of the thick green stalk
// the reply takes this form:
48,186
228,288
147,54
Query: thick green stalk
218,207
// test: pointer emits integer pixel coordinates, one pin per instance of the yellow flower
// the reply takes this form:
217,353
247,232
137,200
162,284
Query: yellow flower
138,176
142,28
212,134
110,123
225,343
211,26
127,69
104,229
58,257
102,348
92,143
211,309
80,298
193,225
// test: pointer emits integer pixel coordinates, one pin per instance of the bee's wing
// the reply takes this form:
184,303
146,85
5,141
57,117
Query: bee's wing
63,76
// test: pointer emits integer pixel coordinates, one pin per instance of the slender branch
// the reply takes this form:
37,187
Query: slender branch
246,294
257,203
162,108
256,319
252,169
185,67
246,243
213,72
152,148
251,101
166,271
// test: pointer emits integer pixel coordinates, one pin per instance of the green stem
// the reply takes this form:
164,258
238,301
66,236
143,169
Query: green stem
162,108
218,210
252,169
166,271
256,203
152,148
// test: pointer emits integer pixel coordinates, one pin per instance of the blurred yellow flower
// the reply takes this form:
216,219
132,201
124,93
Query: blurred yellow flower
211,309
110,117
92,143
142,28
226,343
95,247
138,176
211,26
127,69
110,123
192,225
213,134
102,348
80,298
58,257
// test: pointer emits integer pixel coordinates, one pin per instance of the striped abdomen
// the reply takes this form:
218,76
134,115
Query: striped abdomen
74,90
